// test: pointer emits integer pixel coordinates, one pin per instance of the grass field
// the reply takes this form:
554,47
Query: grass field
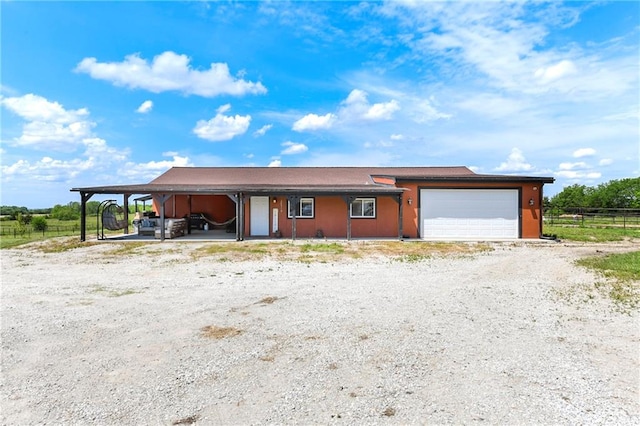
11,235
623,273
591,234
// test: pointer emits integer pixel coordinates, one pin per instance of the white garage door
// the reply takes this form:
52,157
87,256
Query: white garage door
469,213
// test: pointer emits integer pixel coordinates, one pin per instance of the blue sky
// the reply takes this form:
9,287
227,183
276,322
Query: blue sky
101,93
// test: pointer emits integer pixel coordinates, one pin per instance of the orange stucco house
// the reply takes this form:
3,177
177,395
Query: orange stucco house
347,202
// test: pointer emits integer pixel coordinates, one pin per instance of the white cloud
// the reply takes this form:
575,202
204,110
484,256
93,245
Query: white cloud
49,125
145,107
492,105
584,152
36,108
222,127
275,163
571,166
562,69
98,156
292,148
263,130
152,169
55,136
357,107
507,44
397,137
379,144
169,72
605,162
423,111
314,122
515,163
46,170
572,174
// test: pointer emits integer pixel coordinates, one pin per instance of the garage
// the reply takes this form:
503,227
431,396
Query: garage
469,213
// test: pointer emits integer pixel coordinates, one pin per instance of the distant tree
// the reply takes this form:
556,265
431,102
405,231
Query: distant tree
20,225
69,212
570,197
40,211
39,223
615,194
12,211
92,207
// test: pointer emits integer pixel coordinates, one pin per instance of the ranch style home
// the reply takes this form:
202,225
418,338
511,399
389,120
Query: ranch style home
342,202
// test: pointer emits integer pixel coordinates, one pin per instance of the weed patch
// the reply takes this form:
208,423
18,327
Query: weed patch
126,249
268,300
111,292
623,273
334,248
215,332
389,412
186,421
62,245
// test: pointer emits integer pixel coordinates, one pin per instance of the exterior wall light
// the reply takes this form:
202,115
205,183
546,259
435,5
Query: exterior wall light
409,200
275,200
531,202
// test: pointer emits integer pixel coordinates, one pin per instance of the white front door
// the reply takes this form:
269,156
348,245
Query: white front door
259,216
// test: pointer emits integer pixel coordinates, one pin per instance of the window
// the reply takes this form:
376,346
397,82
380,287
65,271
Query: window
363,207
303,209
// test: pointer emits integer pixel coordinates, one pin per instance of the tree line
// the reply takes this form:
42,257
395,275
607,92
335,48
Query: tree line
70,211
614,194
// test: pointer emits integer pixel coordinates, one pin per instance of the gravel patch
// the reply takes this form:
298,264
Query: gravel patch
501,336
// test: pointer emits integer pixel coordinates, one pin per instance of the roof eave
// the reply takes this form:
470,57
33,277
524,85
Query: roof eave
477,178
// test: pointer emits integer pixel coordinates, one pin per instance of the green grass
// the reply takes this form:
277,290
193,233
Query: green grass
623,271
334,248
56,228
621,266
592,234
60,245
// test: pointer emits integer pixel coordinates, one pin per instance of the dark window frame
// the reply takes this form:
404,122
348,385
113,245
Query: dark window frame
299,210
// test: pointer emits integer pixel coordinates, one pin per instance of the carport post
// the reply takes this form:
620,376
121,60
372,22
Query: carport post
163,199
294,202
84,197
348,199
125,206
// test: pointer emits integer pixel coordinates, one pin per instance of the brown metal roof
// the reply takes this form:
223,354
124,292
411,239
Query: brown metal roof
296,176
283,180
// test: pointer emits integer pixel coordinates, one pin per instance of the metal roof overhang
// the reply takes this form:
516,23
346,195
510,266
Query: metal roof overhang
477,179
246,189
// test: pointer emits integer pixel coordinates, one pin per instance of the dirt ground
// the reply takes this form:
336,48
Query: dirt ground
170,333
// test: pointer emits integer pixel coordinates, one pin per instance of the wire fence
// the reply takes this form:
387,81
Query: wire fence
27,231
593,217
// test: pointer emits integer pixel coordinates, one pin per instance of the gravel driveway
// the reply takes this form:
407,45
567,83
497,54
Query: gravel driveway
156,335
